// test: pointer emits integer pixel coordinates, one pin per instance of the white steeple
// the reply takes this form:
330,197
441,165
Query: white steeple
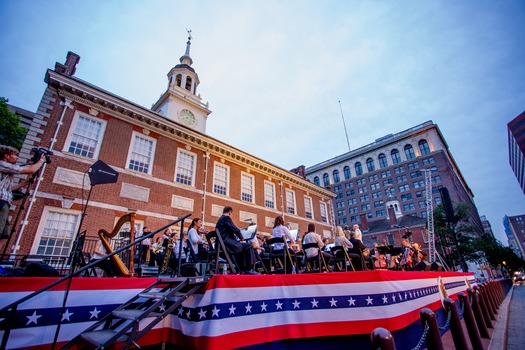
180,102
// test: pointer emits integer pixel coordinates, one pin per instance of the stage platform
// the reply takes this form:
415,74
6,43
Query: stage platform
300,311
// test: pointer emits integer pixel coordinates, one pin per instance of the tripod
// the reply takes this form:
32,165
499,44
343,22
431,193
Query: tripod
24,195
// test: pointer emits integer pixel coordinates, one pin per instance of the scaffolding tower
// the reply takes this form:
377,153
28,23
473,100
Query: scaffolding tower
430,217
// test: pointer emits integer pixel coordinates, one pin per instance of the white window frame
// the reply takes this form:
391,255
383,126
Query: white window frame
245,190
308,207
180,152
324,211
290,201
134,137
269,195
43,225
215,179
71,134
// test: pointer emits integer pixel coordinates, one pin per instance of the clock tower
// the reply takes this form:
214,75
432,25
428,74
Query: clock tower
180,102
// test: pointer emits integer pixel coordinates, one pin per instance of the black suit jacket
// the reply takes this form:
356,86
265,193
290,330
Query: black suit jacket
229,233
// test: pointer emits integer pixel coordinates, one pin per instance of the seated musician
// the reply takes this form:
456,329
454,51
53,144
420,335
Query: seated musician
365,260
105,265
406,255
416,249
341,240
312,237
279,231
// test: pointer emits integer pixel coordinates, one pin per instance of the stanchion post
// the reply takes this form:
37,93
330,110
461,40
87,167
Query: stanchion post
460,342
433,338
492,294
483,306
483,331
382,339
470,322
490,306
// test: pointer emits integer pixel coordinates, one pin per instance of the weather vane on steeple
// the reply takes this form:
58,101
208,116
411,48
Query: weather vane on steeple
189,34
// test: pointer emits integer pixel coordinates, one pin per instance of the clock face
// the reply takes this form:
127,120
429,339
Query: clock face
187,117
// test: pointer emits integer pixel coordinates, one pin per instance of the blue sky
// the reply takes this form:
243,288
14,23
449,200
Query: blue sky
274,72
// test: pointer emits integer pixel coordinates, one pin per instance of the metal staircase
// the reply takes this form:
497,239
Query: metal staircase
132,320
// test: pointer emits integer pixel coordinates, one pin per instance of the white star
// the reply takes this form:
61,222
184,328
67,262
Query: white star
215,311
202,314
232,310
263,306
188,314
94,314
405,295
394,298
369,301
351,302
296,304
180,311
33,318
333,303
279,305
314,303
66,315
248,308
385,299
410,294
400,296
162,307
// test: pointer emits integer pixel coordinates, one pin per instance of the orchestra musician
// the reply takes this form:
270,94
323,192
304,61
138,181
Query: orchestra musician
365,260
195,238
406,255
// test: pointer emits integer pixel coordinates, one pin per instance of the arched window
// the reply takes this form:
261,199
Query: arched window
383,163
396,159
188,83
423,147
316,181
178,80
336,176
326,180
409,152
370,165
347,172
358,169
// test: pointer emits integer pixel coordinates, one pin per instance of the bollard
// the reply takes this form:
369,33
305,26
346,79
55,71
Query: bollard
470,322
433,338
490,307
382,339
483,331
483,307
490,287
460,342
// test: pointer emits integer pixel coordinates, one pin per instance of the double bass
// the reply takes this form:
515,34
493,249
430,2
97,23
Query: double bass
106,236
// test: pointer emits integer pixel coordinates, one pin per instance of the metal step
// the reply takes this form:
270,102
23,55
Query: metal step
160,295
101,337
133,314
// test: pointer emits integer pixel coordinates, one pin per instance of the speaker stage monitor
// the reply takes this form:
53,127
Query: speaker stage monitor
101,173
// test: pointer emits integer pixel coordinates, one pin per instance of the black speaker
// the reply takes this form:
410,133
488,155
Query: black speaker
422,266
447,204
436,266
101,173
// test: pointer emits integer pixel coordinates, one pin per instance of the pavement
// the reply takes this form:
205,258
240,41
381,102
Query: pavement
509,328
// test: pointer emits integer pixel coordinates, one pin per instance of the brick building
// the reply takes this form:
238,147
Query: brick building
515,231
388,174
167,166
516,137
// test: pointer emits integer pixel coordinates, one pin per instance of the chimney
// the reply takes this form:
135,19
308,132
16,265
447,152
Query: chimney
364,222
392,216
71,63
300,170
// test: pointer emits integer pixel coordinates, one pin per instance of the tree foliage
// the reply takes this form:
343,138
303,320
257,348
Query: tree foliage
11,134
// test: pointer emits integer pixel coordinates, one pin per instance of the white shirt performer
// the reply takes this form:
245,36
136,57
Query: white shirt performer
357,231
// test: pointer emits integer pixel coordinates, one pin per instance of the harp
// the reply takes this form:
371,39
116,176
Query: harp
106,236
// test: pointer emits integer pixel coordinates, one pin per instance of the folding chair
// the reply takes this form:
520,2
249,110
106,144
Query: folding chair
311,262
341,259
282,258
218,251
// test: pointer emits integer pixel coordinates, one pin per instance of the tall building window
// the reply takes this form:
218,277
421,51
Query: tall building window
423,147
326,179
396,159
383,163
247,187
322,208
316,181
221,179
370,164
390,239
358,169
141,154
308,207
346,171
336,176
269,194
409,152
290,202
185,168
85,136
58,232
